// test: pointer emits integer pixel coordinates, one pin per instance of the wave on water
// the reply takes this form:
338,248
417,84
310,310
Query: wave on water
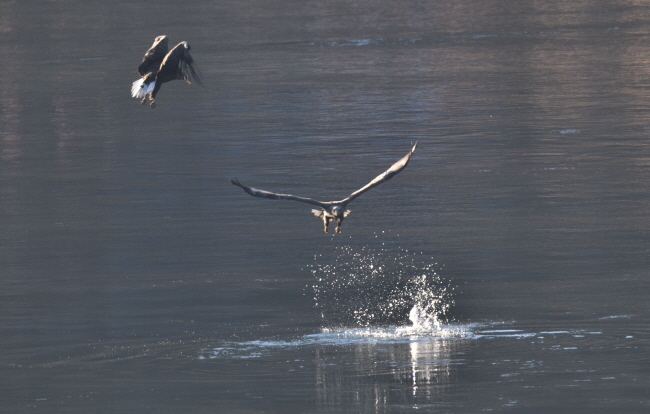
440,338
420,332
372,42
429,39
566,131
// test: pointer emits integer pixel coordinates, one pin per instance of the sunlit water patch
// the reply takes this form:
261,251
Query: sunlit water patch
617,317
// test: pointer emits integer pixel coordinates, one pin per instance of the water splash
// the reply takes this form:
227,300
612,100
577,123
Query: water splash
422,320
374,287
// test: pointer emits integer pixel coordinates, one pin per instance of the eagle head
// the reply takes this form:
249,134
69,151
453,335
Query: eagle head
161,40
340,212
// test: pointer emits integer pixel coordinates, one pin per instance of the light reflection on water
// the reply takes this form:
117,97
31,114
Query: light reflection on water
349,360
362,366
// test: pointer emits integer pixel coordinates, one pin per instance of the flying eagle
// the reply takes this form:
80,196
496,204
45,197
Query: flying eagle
160,65
333,210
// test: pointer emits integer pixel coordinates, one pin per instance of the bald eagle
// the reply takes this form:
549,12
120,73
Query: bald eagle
160,65
332,210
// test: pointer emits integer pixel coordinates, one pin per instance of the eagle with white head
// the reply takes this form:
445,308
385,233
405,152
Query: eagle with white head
332,210
160,65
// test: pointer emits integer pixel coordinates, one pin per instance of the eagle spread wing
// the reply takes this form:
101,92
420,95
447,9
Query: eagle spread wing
385,176
179,64
154,56
274,196
333,210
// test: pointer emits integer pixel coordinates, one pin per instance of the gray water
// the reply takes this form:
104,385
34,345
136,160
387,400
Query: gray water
136,279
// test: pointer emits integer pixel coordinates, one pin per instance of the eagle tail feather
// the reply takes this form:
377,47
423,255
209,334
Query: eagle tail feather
139,89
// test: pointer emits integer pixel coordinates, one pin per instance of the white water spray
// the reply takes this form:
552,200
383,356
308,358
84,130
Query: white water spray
380,288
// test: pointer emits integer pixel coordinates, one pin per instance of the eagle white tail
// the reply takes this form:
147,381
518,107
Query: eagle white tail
139,89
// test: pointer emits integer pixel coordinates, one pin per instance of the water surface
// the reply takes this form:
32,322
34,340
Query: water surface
136,278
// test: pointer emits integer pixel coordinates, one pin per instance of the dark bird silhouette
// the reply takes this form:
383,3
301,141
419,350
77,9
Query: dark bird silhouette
160,65
333,210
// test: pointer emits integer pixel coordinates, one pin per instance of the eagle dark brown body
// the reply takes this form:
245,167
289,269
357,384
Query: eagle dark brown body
160,65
